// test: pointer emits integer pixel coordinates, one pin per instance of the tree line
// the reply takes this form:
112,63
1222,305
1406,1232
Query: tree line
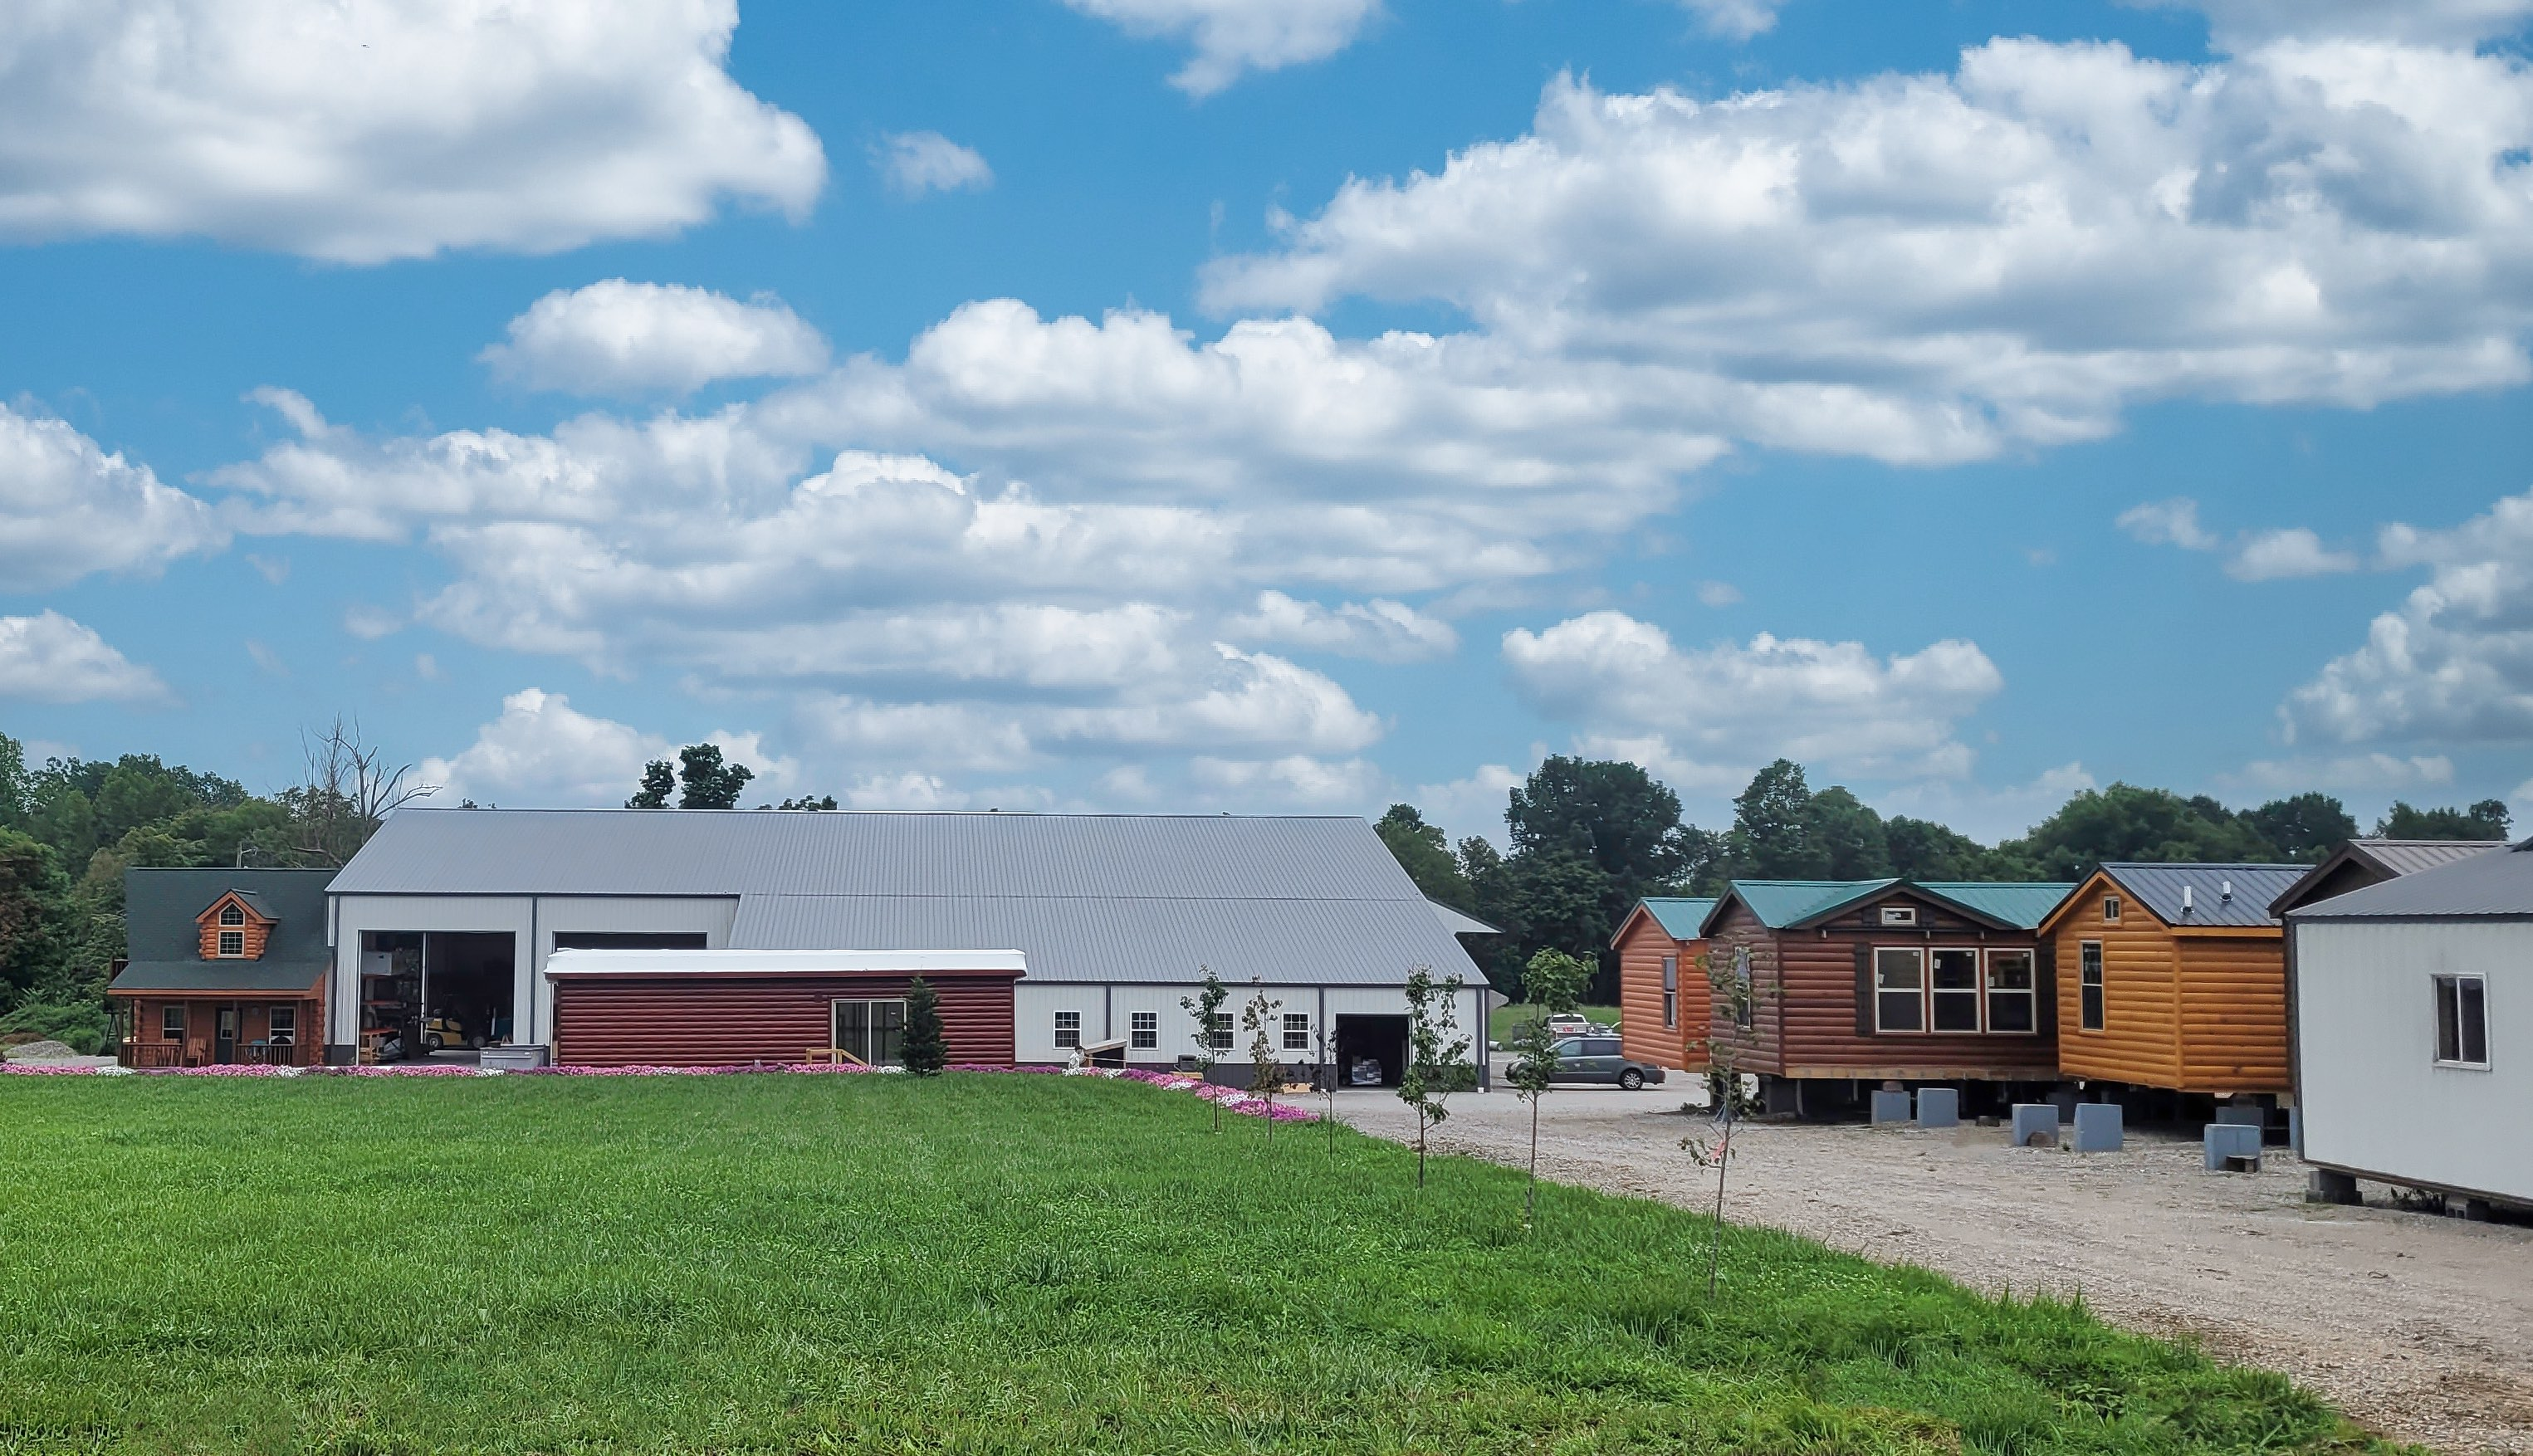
1590,837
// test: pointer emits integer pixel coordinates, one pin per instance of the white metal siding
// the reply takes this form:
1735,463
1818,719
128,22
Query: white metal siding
2373,1097
1033,1008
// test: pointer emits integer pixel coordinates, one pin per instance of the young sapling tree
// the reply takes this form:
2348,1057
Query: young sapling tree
923,1049
1329,1085
1438,1057
1204,1009
1554,981
1723,1090
1258,1019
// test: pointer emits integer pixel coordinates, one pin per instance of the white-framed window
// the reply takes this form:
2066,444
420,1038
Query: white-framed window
873,1030
1742,990
2011,992
1671,990
1218,1037
281,1024
1144,1029
2110,910
2088,986
1953,989
1067,1029
1899,914
1898,988
171,1021
233,942
1297,1031
230,914
2462,1021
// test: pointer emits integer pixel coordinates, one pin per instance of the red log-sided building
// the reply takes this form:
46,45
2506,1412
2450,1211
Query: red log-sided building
1664,999
724,1008
1827,987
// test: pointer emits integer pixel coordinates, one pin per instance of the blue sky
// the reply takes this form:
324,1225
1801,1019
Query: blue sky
1279,404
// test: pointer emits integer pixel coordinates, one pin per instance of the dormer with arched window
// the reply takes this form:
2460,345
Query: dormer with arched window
234,927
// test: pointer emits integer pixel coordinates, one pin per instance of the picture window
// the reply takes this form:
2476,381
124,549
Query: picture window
2089,981
2462,1021
1297,1031
1067,1029
1954,990
2011,990
1898,989
1146,1030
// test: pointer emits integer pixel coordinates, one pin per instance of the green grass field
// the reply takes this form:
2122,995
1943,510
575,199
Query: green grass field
976,1263
1504,1018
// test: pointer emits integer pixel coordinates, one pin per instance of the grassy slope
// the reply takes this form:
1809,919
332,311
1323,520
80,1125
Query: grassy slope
978,1264
1504,1018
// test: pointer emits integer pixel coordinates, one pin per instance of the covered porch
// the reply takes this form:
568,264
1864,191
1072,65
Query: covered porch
248,1015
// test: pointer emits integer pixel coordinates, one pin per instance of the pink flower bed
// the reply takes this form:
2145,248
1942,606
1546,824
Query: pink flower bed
1232,1099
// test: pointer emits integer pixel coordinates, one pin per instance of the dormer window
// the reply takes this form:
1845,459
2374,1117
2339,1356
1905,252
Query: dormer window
1899,914
230,914
232,941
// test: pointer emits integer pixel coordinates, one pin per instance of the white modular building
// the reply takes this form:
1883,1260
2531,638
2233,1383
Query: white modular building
2412,1002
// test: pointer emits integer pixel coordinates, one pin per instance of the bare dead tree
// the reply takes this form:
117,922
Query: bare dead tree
349,790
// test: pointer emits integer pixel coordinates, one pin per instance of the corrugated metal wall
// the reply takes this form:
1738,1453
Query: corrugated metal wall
655,1020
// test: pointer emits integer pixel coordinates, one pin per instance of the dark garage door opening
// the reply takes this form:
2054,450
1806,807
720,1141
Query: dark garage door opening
1365,1042
466,989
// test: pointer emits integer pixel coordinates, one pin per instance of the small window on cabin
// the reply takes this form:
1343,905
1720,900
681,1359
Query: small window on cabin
1671,990
1297,1031
2110,910
2462,1021
1219,1036
171,1021
1146,1026
230,914
1741,987
281,1025
2010,991
2089,981
1953,990
1067,1029
232,941
1899,914
1898,989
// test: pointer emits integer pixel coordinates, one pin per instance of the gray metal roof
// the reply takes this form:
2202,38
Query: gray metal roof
2488,884
1460,922
159,906
2159,888
242,975
1086,897
2409,856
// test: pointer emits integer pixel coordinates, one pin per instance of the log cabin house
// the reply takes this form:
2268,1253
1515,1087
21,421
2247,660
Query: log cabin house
1664,996
2173,977
1826,988
228,966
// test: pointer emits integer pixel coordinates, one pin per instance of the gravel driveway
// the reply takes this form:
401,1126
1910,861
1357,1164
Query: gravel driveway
2420,1328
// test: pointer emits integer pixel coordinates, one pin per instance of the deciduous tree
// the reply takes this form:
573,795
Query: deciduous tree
2486,820
1553,981
1258,1019
1438,1055
1204,1010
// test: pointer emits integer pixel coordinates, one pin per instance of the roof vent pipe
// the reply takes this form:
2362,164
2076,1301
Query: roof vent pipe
2185,900
2224,891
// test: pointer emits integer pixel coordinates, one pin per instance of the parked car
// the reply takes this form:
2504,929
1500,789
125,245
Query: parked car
1601,1059
1567,1025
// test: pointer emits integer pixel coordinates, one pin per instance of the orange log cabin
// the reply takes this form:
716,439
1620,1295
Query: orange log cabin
228,966
1664,996
2173,976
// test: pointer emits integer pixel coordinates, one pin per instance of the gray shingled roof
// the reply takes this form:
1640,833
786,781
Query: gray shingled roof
2159,888
2493,883
1086,897
265,975
159,906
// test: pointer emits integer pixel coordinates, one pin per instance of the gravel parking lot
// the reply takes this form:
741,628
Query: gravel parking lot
2418,1326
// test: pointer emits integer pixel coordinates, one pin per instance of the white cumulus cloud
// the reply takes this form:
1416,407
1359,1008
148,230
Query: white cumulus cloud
1230,38
1706,718
1736,20
2173,522
69,508
1383,630
916,163
2290,552
370,130
623,338
543,752
51,658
